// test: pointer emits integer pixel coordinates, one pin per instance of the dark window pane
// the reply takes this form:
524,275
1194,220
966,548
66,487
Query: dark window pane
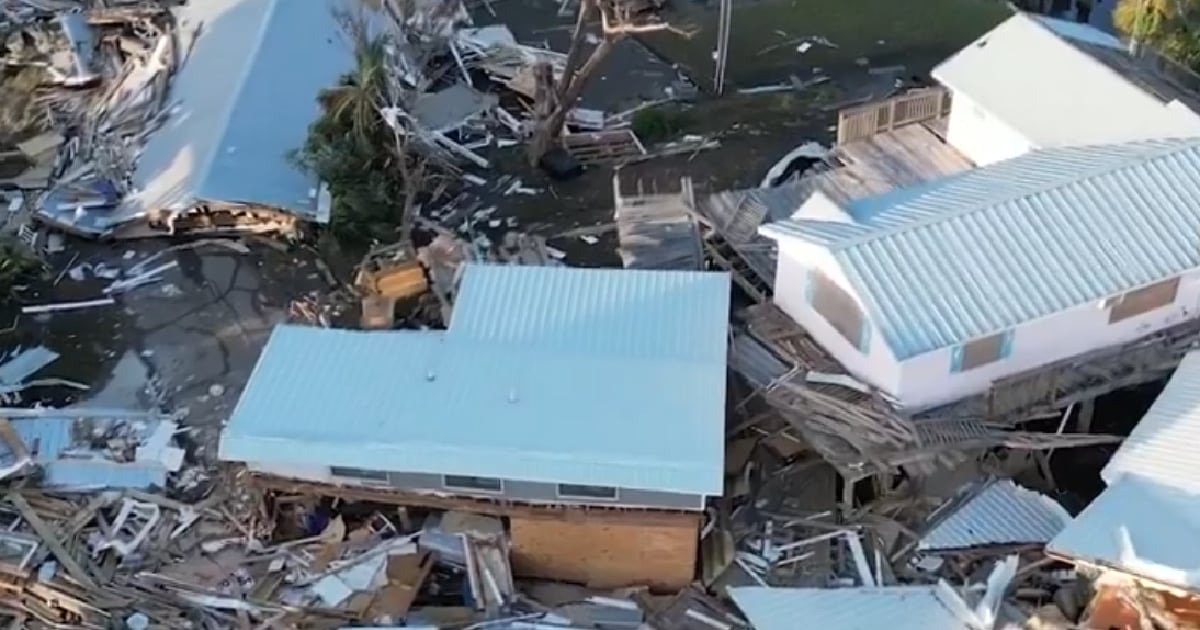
487,484
358,473
587,492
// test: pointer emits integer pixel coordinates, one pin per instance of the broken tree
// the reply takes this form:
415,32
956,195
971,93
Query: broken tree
556,95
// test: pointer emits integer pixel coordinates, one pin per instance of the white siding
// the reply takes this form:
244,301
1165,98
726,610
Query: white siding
318,474
879,367
927,381
980,136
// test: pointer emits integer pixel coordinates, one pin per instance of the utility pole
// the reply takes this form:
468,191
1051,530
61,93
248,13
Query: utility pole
724,26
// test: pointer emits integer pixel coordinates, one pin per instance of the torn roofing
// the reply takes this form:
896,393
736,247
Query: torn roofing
69,464
1139,527
893,607
977,253
1058,83
998,512
551,375
242,100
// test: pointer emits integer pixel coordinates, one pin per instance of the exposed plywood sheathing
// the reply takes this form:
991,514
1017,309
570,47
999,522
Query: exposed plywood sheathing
653,549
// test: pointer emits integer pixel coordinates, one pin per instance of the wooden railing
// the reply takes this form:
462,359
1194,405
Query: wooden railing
913,106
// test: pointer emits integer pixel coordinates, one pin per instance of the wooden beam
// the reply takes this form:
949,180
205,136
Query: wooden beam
50,539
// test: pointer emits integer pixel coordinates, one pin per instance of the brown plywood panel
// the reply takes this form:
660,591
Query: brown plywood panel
659,552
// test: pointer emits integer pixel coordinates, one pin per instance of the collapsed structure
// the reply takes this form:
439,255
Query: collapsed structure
934,292
525,406
235,109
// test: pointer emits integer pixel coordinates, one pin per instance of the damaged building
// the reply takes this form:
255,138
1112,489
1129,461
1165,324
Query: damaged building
585,405
1137,535
236,108
932,293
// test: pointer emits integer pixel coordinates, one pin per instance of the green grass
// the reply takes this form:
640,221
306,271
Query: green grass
916,33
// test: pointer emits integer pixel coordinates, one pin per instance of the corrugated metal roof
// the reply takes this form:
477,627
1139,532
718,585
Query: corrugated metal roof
1163,445
989,249
893,608
1147,520
999,513
651,314
1138,527
546,374
241,102
1032,74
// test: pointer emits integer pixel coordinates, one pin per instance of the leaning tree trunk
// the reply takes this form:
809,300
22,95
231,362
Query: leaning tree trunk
551,114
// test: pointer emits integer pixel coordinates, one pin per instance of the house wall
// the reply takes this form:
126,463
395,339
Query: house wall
514,490
983,138
877,367
927,380
658,550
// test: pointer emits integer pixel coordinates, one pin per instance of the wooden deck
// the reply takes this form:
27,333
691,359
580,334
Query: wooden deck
904,157
657,231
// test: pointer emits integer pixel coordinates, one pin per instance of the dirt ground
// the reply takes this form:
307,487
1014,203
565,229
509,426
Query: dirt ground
840,34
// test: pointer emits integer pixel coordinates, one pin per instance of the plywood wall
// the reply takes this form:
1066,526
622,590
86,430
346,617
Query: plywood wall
607,552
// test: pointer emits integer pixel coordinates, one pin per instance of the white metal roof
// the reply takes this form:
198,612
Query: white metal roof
599,376
890,608
243,99
1164,447
1141,528
1029,75
999,513
1147,521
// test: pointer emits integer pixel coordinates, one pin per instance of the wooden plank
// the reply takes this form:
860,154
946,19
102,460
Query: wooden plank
50,539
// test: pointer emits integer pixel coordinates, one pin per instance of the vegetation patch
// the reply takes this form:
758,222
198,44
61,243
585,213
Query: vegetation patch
658,124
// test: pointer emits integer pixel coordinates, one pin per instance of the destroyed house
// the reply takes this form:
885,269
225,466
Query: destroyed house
585,405
933,292
1143,525
551,386
1035,82
239,104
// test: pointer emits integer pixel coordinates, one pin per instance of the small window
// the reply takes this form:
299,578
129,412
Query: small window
358,473
474,484
1143,300
838,308
981,352
574,491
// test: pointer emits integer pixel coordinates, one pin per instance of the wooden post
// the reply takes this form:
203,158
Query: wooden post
1087,409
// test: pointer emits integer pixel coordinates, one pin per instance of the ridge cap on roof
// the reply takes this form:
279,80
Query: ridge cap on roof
1155,150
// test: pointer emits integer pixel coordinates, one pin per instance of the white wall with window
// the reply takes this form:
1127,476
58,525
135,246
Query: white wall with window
811,289
951,374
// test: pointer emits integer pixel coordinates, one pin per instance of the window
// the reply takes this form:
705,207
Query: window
474,484
573,491
838,308
1143,300
981,352
359,474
